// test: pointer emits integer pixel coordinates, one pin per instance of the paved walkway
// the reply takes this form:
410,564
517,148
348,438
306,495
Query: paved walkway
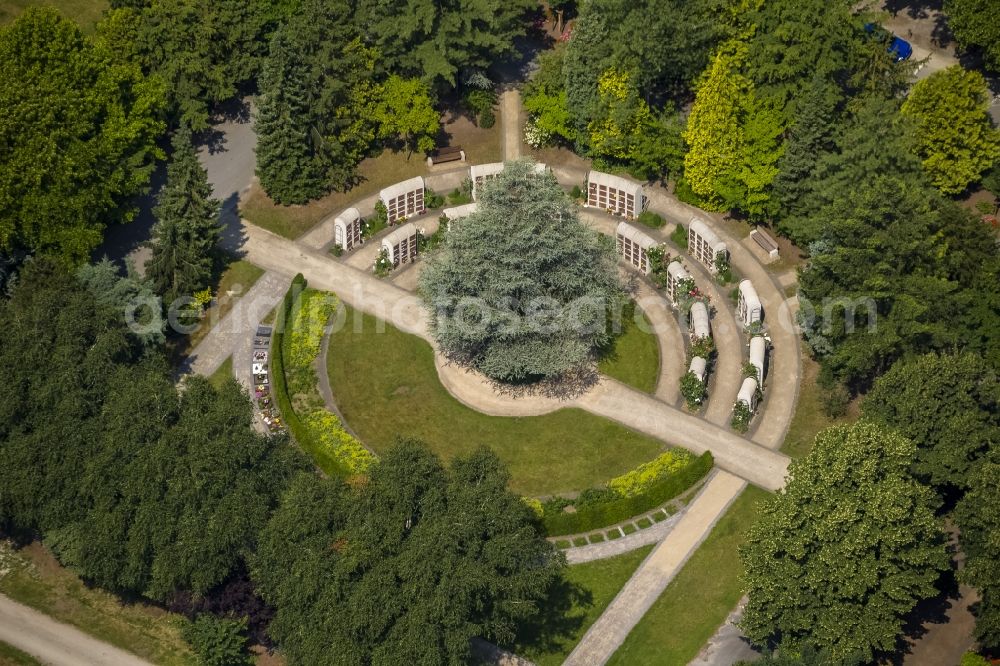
727,370
510,116
609,398
234,333
56,643
668,339
606,635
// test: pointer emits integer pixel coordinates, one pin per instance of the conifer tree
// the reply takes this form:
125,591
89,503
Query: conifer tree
288,167
187,226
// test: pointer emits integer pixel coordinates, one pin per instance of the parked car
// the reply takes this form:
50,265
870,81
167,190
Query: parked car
897,46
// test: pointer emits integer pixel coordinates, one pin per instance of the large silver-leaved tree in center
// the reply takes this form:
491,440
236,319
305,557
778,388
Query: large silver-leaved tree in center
521,290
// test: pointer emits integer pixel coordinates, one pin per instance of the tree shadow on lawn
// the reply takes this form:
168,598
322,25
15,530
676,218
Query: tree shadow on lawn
556,625
927,612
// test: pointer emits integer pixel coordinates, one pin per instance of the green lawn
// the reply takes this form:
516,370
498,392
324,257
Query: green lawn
85,12
11,656
33,577
634,356
480,145
809,416
579,601
698,599
386,385
224,372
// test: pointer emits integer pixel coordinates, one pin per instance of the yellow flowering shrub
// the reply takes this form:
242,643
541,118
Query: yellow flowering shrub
535,505
309,316
329,436
638,480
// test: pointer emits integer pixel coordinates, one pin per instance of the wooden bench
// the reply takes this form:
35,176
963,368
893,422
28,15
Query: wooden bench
766,243
448,154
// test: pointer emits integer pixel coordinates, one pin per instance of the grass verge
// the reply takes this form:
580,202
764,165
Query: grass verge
36,579
11,656
633,357
386,385
86,13
698,599
576,604
809,418
389,167
225,371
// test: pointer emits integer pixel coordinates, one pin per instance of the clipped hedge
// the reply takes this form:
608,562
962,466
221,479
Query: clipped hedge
279,385
596,516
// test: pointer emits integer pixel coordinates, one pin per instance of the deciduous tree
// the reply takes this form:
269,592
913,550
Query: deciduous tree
955,137
948,405
847,549
976,23
84,140
404,111
978,517
409,569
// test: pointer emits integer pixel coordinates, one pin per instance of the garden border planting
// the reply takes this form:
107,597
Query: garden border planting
596,516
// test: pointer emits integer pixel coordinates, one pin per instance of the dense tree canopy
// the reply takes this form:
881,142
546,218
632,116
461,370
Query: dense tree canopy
978,518
406,570
204,49
522,289
141,488
437,40
948,405
955,135
79,141
976,23
845,550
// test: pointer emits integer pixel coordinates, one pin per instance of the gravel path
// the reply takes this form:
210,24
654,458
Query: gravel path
56,643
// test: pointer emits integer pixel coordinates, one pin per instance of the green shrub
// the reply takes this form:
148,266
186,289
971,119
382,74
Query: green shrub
597,537
576,193
580,541
383,266
643,477
535,505
478,100
487,118
337,251
461,196
628,529
218,641
563,544
319,433
835,400
683,191
596,516
644,523
432,199
741,417
614,534
973,659
651,219
693,390
332,442
679,237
